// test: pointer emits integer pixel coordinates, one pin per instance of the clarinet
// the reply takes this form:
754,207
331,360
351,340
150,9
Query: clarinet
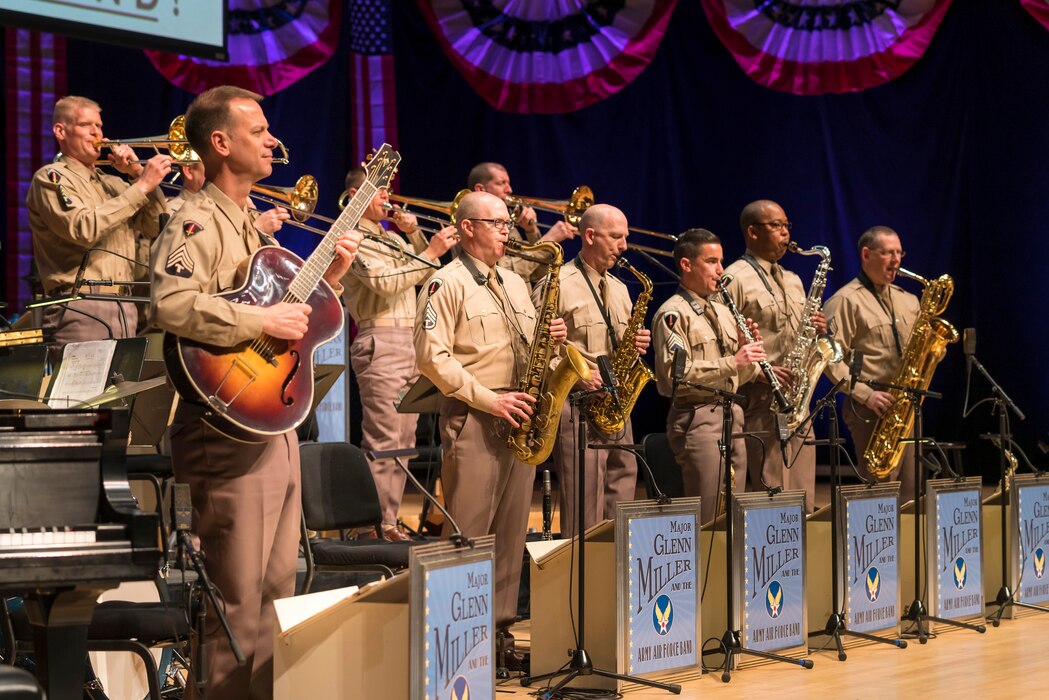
741,323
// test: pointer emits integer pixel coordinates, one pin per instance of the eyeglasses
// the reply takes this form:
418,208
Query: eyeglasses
782,225
901,254
504,224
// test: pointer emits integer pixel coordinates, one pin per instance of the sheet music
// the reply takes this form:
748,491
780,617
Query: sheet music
82,374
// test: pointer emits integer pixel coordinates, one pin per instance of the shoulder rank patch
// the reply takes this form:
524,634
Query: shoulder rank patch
191,227
66,200
672,320
434,285
53,175
429,317
179,263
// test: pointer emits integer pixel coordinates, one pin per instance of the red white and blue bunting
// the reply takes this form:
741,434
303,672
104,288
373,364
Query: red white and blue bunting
271,45
548,57
1039,9
813,47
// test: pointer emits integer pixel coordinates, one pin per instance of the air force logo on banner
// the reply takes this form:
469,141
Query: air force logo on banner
460,689
959,573
1039,562
774,599
873,584
663,614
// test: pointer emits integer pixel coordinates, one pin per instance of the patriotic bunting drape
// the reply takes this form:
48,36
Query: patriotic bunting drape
548,57
35,77
373,102
812,47
271,46
1039,9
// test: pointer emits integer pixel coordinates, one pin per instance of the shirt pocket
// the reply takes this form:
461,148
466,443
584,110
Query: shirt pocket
484,321
704,343
589,327
881,333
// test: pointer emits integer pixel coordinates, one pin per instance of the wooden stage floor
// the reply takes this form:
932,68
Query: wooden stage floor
1004,662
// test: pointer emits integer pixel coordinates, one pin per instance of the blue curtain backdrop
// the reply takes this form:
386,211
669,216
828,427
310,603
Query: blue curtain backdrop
953,155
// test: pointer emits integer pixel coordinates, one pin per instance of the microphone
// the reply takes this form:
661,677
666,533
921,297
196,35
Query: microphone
969,343
78,281
604,365
855,368
548,512
677,372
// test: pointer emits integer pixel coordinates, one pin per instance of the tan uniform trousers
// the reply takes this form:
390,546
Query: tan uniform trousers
693,434
801,458
247,510
611,475
489,492
383,358
86,319
861,435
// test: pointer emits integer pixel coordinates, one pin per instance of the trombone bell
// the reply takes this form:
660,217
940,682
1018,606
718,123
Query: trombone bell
300,199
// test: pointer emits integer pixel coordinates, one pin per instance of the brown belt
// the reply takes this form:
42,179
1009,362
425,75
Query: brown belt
387,323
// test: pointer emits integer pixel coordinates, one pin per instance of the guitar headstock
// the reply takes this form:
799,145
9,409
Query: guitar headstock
382,166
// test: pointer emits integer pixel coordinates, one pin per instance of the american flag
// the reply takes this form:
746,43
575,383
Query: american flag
35,76
374,103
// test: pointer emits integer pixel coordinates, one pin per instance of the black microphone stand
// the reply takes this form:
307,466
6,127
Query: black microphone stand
836,627
204,591
917,612
581,665
1002,404
730,640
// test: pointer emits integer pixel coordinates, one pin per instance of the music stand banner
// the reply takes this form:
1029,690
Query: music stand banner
871,557
954,538
657,568
452,635
769,571
1031,522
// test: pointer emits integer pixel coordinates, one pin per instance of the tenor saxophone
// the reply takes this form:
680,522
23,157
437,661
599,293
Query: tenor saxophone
630,372
925,348
812,351
534,439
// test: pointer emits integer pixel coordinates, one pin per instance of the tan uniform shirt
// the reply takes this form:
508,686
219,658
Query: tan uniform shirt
776,311
861,323
73,209
380,286
677,325
587,330
464,342
197,256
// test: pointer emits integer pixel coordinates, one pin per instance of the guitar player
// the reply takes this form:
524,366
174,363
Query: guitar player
245,494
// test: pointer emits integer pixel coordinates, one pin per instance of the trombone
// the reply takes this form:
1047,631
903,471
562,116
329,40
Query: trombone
571,209
300,199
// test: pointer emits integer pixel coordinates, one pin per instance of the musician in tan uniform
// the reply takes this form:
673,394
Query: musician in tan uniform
873,316
380,296
716,355
474,327
774,298
245,494
493,179
85,224
591,298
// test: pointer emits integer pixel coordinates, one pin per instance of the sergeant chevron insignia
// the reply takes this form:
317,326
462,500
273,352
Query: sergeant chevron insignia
179,263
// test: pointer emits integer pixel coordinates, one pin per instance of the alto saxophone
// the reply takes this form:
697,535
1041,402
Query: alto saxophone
811,351
630,372
766,368
534,439
925,348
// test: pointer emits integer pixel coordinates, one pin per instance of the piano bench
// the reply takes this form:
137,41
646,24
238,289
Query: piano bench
18,684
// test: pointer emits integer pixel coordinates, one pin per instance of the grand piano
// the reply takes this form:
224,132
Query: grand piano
69,529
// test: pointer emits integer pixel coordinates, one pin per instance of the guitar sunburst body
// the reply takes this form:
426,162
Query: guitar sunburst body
262,386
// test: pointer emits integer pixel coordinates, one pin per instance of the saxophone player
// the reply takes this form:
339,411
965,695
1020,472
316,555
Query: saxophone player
716,354
596,308
774,298
473,327
873,316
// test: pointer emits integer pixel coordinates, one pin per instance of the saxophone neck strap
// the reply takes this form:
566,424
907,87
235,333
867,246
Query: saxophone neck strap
889,308
600,304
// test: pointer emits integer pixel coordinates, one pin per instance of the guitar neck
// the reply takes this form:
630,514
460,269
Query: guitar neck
315,266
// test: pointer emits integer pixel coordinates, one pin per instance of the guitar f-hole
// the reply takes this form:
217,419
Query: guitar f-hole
284,398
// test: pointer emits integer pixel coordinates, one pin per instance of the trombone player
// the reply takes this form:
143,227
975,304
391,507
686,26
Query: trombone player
380,296
85,224
596,308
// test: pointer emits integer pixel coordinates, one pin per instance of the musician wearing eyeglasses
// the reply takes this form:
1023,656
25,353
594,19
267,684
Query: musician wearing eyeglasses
774,298
494,179
85,224
245,491
380,296
715,355
596,308
873,316
474,326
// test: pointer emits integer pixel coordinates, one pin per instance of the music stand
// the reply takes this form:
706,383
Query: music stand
423,397
22,373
